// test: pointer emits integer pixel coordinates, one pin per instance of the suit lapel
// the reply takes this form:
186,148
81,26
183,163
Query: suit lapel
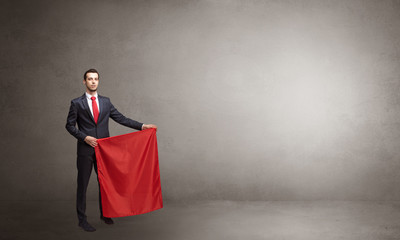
85,104
101,107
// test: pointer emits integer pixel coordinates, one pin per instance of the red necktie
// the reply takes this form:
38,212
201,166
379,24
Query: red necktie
95,109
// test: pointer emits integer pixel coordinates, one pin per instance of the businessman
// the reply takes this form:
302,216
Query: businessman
91,113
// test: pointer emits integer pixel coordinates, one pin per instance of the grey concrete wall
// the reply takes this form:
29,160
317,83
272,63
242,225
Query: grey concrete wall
255,100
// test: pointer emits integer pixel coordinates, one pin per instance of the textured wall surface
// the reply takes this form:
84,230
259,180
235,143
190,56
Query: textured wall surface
255,100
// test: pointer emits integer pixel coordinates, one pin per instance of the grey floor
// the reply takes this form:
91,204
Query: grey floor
322,220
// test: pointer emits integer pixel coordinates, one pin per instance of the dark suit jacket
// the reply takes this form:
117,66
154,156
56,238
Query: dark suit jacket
79,113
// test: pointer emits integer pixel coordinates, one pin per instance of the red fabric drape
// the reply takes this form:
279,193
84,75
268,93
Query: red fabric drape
129,174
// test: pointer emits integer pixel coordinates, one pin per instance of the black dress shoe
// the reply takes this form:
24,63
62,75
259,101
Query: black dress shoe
86,226
107,220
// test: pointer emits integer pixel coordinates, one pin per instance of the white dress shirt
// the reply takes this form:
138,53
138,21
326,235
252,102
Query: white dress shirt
89,100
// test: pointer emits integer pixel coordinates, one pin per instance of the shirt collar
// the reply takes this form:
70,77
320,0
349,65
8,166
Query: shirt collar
88,96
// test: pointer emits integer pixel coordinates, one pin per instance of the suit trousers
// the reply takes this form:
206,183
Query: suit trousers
85,165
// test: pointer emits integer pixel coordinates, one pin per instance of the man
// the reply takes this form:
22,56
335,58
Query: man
91,113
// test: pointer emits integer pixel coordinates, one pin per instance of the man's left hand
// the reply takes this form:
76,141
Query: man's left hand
147,126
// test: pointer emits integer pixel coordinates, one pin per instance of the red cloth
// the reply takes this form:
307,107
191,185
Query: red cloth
129,174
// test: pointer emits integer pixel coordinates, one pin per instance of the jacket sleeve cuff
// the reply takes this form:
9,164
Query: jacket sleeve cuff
82,137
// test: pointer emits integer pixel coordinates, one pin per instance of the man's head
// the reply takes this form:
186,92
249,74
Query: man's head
91,80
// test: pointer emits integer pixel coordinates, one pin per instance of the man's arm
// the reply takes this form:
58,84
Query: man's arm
121,119
71,127
71,123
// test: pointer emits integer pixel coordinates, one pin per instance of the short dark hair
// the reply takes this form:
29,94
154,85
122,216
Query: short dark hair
92,70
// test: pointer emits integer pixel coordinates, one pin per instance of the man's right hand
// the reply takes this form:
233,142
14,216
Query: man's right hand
91,141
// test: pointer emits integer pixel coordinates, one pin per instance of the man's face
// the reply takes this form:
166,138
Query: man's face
91,81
